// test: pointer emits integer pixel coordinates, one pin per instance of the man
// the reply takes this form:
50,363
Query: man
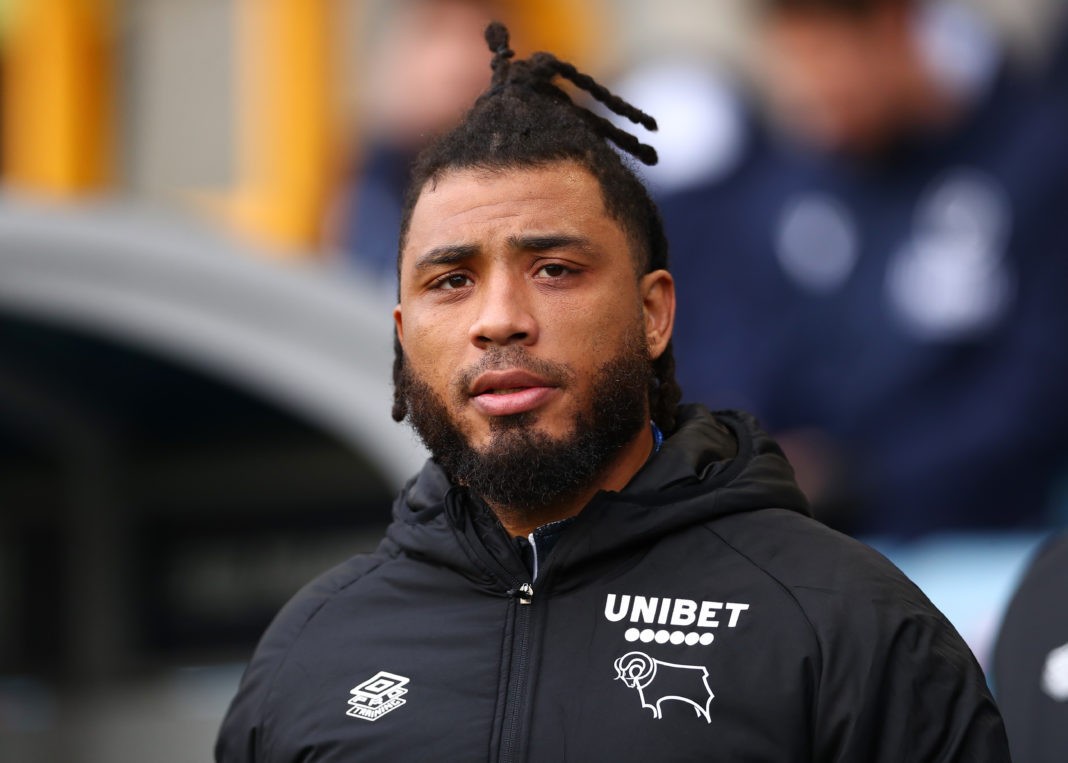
854,76
888,270
587,571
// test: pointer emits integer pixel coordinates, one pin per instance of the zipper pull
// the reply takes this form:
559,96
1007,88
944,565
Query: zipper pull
524,593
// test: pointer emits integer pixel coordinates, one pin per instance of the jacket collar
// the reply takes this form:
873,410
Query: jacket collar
713,465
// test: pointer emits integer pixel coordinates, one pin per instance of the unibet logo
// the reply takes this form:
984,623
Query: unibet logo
677,613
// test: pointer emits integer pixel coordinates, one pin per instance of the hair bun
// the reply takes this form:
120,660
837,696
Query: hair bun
497,39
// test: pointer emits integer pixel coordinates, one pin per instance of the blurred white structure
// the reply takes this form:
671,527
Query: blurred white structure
311,341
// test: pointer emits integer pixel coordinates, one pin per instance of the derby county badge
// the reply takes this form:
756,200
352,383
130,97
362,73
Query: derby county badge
658,682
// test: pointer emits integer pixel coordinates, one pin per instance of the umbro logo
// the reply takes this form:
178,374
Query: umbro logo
378,695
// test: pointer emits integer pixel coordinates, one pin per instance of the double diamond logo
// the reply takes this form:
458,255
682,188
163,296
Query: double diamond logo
378,695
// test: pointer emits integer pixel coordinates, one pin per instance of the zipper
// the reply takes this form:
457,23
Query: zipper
525,593
513,740
511,734
519,666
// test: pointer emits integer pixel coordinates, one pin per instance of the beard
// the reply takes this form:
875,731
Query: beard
523,469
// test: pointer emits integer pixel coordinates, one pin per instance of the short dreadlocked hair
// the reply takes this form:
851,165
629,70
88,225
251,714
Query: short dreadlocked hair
524,120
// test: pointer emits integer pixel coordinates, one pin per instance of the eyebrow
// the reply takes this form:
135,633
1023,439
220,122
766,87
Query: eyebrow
549,242
449,254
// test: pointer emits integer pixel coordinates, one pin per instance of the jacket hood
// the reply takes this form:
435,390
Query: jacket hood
713,465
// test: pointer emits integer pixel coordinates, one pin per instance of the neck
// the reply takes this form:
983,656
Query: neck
614,477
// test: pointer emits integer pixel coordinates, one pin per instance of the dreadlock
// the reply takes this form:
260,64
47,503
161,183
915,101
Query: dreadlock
524,120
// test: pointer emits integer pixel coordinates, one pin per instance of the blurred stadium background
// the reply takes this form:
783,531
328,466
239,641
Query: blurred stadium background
194,396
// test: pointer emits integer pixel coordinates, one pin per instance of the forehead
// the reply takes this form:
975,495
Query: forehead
471,203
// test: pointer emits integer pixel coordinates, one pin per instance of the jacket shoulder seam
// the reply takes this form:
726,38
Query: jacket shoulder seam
788,590
283,656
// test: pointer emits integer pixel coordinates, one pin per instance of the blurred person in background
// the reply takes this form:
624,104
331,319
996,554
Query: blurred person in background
426,68
882,277
1031,659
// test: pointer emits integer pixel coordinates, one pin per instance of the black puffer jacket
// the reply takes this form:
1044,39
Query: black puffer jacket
697,615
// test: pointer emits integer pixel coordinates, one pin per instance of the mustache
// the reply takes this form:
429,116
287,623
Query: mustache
512,358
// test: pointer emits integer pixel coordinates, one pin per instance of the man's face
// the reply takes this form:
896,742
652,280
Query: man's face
521,310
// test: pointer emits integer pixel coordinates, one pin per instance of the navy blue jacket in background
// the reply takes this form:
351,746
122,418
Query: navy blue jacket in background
914,308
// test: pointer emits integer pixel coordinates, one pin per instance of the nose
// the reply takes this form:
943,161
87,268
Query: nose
504,315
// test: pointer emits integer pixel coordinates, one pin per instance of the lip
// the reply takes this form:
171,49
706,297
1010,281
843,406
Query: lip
529,391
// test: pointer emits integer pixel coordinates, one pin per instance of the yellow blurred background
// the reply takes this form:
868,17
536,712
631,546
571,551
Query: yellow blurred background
151,97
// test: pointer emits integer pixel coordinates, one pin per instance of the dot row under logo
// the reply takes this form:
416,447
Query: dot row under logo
648,635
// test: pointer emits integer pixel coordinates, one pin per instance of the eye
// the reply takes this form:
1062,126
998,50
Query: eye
553,270
452,281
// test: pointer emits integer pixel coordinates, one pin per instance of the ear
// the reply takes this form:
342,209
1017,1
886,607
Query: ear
658,307
398,322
